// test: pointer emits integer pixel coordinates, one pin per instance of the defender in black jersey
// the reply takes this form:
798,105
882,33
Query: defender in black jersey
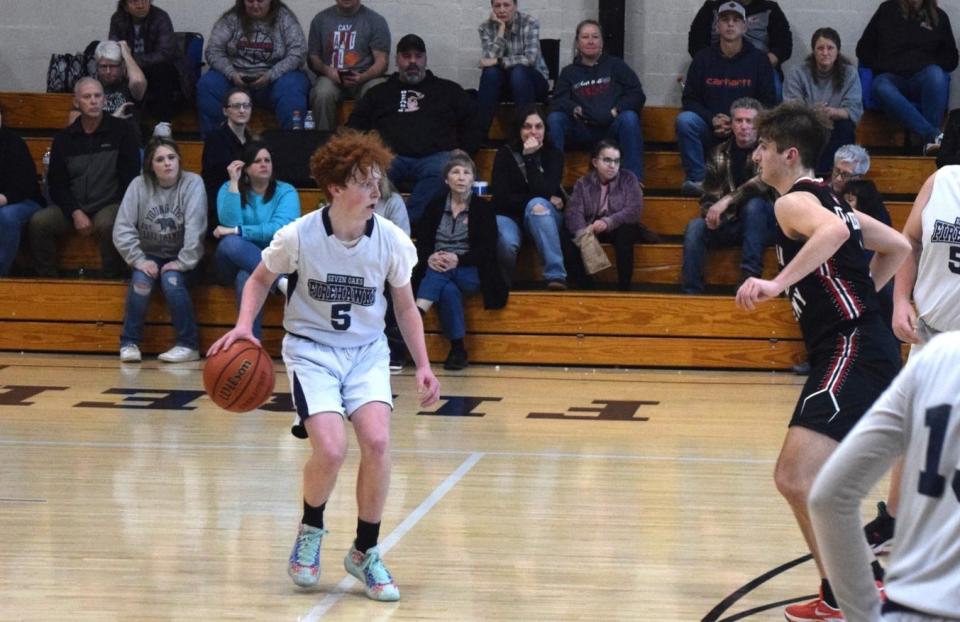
832,290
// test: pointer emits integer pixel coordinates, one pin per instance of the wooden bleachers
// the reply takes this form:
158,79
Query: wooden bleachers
569,328
658,330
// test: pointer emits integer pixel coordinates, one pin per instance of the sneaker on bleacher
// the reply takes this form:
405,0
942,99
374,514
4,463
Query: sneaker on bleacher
163,130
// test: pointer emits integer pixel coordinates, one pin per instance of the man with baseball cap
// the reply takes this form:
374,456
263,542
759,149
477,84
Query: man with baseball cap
422,118
729,69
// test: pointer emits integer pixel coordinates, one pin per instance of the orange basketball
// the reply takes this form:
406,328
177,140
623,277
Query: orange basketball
240,378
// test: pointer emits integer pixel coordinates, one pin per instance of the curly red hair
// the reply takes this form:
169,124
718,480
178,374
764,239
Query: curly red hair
347,153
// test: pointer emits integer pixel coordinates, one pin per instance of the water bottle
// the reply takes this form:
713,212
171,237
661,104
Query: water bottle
297,123
46,164
308,122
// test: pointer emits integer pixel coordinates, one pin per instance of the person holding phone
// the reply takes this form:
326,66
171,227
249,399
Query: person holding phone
258,45
348,48
124,84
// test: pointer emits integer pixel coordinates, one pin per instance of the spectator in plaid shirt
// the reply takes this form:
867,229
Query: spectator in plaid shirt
511,61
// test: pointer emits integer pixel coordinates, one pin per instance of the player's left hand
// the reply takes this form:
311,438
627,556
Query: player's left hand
428,387
756,290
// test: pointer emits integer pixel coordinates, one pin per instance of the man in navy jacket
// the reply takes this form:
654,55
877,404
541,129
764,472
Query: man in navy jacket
726,71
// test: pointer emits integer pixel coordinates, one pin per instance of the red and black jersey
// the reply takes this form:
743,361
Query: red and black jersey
839,293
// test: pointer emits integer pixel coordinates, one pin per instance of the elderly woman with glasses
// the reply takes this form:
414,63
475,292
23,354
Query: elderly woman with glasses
849,162
148,34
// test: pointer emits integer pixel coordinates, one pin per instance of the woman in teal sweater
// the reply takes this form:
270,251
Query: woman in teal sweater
251,206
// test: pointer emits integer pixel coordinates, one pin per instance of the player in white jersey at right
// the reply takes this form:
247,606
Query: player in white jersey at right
929,279
918,417
339,260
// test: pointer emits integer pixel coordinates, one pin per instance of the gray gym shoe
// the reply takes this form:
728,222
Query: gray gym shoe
304,565
369,569
130,353
180,354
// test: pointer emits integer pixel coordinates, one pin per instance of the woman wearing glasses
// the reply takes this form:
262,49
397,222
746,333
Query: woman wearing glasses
608,202
251,206
224,145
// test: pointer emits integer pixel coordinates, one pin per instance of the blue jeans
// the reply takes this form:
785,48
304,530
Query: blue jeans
543,228
174,285
895,96
694,140
844,133
625,129
235,259
753,229
525,84
13,218
283,96
447,290
425,173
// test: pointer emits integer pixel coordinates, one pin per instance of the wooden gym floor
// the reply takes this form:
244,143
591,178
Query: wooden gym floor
527,494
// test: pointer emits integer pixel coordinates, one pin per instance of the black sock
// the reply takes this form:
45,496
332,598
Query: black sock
457,345
878,571
828,596
313,516
367,535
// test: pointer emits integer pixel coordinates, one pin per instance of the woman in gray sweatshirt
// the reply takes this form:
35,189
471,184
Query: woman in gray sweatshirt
259,46
159,232
828,80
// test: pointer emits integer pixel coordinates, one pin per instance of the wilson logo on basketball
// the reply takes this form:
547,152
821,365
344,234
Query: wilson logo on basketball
233,381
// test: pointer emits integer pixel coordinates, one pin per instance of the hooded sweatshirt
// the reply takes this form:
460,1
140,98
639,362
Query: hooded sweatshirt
276,51
417,120
162,222
597,89
715,81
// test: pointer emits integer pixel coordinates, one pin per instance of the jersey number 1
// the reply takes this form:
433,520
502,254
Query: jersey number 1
931,482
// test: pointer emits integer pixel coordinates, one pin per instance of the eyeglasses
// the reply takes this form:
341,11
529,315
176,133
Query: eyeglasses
844,175
240,106
109,67
367,185
610,161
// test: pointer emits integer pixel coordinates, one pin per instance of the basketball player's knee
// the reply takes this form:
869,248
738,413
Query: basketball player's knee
330,453
791,487
376,445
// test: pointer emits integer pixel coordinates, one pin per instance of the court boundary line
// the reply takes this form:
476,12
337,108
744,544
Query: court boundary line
438,493
557,455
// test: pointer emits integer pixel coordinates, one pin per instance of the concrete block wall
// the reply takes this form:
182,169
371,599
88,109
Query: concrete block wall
656,40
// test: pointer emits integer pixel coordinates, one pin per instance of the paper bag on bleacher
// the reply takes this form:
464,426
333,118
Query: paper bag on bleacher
594,259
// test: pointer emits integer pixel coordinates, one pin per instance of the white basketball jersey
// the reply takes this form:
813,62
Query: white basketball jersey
918,416
937,291
336,293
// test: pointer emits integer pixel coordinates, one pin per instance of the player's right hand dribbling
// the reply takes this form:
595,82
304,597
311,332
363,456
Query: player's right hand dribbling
227,340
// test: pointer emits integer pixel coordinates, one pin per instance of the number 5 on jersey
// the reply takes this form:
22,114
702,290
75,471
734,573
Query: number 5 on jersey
340,316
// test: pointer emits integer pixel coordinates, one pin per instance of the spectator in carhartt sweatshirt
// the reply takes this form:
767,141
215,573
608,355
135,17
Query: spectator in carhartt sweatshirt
718,76
259,45
159,232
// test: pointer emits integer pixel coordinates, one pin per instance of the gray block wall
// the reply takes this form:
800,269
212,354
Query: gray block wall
656,41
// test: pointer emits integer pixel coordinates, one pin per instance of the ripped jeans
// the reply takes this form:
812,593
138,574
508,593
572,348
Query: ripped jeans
174,286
